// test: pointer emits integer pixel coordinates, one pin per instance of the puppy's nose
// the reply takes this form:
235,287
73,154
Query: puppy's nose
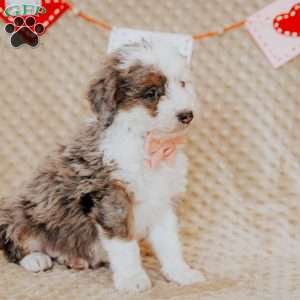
185,117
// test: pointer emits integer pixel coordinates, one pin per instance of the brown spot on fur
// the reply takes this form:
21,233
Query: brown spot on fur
145,86
130,201
114,213
146,248
117,88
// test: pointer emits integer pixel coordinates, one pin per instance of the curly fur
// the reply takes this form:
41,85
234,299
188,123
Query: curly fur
94,196
65,199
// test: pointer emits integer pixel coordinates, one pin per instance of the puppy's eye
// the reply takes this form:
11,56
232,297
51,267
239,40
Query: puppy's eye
151,94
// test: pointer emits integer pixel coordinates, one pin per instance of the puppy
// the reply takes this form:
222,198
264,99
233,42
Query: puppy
116,182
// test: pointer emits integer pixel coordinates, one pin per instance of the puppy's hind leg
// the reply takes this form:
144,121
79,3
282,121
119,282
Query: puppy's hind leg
36,259
20,245
27,253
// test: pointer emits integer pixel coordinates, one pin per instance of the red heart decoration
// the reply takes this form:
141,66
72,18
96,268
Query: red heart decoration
288,24
54,10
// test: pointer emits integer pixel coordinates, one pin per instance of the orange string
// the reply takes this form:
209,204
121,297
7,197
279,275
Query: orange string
96,22
99,23
234,26
201,36
197,37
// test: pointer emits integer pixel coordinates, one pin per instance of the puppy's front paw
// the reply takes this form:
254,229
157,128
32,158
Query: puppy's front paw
36,262
183,275
137,282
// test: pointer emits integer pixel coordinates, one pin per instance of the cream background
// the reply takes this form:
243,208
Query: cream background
241,216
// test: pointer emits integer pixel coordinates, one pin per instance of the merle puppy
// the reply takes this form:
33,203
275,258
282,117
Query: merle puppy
117,180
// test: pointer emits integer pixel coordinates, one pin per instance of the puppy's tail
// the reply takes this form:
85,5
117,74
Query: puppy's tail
4,224
3,231
11,250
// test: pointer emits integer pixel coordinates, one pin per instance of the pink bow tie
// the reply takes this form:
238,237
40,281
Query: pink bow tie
161,149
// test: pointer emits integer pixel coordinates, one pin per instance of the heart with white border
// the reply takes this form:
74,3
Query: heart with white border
288,24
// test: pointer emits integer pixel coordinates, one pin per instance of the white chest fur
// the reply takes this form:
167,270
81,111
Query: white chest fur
154,189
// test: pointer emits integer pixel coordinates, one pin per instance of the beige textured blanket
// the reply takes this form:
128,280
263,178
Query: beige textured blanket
241,216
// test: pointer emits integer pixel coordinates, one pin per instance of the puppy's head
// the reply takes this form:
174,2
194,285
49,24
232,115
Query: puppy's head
145,86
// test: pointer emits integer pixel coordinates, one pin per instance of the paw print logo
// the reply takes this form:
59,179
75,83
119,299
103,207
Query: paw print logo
24,31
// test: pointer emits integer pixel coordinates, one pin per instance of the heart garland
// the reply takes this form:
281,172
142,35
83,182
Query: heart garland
54,9
288,24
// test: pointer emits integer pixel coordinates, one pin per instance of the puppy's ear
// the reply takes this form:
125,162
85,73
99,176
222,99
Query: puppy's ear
105,91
